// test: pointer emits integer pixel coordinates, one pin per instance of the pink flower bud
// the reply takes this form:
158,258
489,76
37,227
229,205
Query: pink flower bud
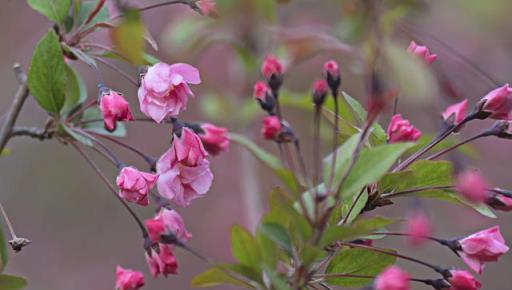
472,186
215,139
498,103
167,222
484,246
332,69
164,90
422,52
271,67
462,280
271,127
163,262
260,91
127,279
458,111
208,8
134,185
401,130
393,278
500,202
418,228
114,108
319,92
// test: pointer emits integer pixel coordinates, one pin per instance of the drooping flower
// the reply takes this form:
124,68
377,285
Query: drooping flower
271,127
417,228
207,8
167,222
472,186
271,67
498,103
401,130
134,185
114,108
164,90
215,139
184,171
127,279
481,247
457,110
319,92
422,52
462,280
393,278
163,262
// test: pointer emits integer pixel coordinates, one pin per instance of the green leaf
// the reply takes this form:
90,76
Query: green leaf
77,136
343,156
94,114
245,247
82,56
358,207
216,276
76,90
278,234
353,231
357,261
277,280
85,9
47,74
55,10
9,282
3,251
128,37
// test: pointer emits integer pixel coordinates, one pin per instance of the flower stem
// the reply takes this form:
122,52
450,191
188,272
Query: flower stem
477,136
118,70
334,142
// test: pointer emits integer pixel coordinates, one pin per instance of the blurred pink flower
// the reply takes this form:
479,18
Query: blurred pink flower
319,91
401,130
114,108
260,91
127,279
164,90
458,110
472,186
462,280
271,67
484,246
134,185
498,103
332,69
163,262
393,278
500,202
215,139
422,52
184,171
271,127
208,8
167,222
418,228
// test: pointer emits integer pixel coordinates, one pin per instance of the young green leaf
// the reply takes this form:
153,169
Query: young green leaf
216,276
76,90
47,74
343,155
55,10
128,37
353,231
99,127
278,234
9,282
85,9
244,247
77,136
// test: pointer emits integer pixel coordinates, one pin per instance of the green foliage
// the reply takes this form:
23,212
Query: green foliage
222,274
9,282
55,10
76,90
48,74
245,247
85,9
128,37
99,127
278,234
357,261
353,231
343,156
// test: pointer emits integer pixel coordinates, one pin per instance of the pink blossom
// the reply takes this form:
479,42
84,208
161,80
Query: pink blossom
422,52
164,90
260,91
401,130
167,222
484,246
127,279
184,171
319,91
418,228
163,262
457,110
215,139
499,103
208,8
393,278
500,202
271,67
134,185
271,127
472,186
332,69
462,280
114,108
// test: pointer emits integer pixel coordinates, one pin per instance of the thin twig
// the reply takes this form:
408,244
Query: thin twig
118,70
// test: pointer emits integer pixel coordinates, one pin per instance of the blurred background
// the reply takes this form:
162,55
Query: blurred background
80,232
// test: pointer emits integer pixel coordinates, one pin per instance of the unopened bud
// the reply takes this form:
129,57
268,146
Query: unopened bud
332,75
319,92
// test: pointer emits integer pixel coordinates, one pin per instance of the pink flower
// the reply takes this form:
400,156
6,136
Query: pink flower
215,139
484,246
457,110
500,202
260,91
127,279
462,280
422,51
332,69
472,186
418,228
134,185
207,8
167,222
393,278
401,130
164,90
499,103
271,67
271,127
163,262
114,108
319,92
184,171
